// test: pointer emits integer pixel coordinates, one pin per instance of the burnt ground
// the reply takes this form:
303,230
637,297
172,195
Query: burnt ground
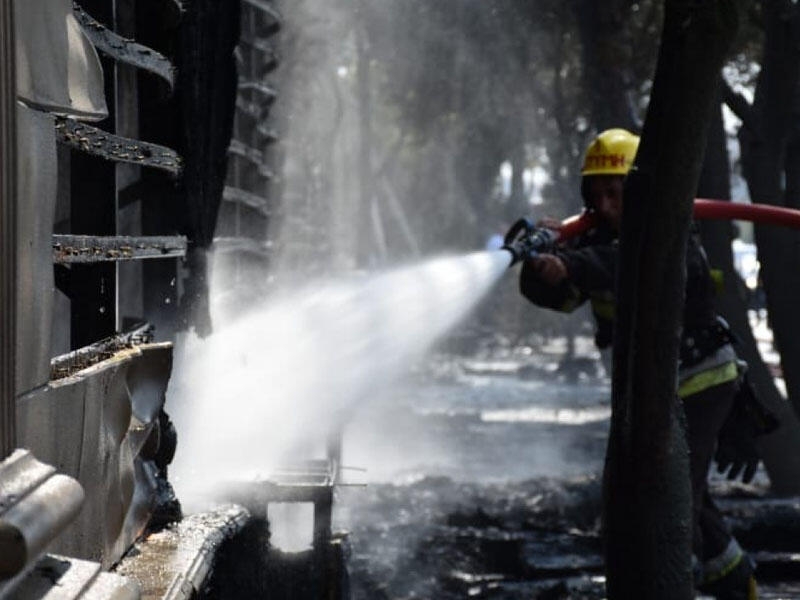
484,482
531,539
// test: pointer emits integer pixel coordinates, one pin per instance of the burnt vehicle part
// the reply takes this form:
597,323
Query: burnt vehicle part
96,424
98,421
96,411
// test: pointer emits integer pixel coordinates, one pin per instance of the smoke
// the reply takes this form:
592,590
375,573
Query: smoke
275,380
270,386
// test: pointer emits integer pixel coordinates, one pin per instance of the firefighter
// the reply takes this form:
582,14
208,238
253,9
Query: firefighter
708,368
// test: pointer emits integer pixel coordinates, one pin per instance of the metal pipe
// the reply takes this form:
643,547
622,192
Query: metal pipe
8,226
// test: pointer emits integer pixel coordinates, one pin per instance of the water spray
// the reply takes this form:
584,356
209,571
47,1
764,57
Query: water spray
266,388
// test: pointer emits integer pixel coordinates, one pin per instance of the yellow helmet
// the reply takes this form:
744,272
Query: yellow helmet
611,153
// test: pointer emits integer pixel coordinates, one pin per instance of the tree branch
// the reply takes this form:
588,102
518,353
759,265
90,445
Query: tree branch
738,104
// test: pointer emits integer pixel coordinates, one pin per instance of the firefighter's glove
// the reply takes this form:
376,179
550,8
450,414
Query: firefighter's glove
736,448
736,451
549,268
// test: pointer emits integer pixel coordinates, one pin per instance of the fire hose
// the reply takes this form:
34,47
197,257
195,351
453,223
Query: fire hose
525,240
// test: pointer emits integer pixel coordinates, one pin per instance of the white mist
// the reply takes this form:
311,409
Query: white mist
267,388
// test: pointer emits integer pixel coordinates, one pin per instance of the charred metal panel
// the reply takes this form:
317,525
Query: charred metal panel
147,381
52,424
94,425
36,188
80,360
125,50
57,67
88,249
108,146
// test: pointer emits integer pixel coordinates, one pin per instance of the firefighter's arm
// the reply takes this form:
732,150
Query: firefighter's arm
592,268
544,280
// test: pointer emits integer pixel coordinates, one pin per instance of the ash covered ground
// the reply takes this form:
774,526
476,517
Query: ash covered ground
484,482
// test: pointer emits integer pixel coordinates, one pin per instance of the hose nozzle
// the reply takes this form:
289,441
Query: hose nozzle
525,240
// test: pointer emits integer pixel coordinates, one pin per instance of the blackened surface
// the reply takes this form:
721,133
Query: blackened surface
198,123
439,538
92,287
207,81
93,212
465,503
248,567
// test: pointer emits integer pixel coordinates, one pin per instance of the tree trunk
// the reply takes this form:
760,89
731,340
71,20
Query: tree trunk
603,58
647,492
764,152
783,465
765,139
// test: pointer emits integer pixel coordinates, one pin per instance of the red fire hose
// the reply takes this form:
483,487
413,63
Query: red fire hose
757,213
703,209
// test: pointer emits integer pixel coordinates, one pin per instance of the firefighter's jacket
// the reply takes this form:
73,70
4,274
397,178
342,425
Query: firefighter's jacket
706,356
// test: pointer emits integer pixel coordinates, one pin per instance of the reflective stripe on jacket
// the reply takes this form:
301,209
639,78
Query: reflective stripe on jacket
717,368
716,568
